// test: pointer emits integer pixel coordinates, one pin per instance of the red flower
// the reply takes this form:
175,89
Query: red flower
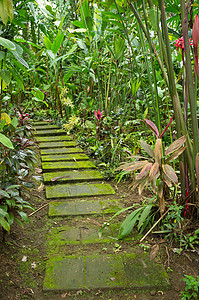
180,43
98,114
195,36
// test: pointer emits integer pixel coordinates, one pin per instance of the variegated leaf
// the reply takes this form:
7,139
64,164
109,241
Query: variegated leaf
158,150
152,126
170,173
147,148
175,154
166,180
176,145
154,170
136,165
144,171
143,183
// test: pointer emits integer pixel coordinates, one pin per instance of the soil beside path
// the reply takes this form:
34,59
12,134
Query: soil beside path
28,251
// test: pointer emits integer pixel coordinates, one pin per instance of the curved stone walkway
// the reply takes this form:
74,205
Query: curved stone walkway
75,187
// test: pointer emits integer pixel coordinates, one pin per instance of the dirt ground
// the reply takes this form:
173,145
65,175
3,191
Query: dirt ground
23,257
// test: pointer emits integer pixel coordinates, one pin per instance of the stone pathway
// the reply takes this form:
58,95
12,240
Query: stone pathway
76,188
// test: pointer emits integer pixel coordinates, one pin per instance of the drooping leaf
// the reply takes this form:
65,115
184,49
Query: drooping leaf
6,141
176,145
152,126
14,122
23,216
2,55
143,183
158,151
136,165
7,43
118,47
4,224
170,173
144,171
6,76
6,10
147,148
4,194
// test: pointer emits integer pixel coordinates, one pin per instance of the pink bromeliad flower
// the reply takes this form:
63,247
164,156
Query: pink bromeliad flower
98,114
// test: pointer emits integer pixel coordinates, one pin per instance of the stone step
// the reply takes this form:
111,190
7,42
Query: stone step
67,165
60,151
109,271
72,176
84,207
41,123
46,127
78,190
57,144
50,132
65,157
50,139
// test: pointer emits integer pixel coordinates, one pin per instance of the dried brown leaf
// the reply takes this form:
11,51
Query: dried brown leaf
147,148
175,154
144,171
170,173
154,251
136,165
154,170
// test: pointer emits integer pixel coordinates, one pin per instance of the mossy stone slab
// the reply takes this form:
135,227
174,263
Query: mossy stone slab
60,151
67,165
57,144
64,157
134,271
50,139
72,176
46,127
50,132
78,190
40,123
84,207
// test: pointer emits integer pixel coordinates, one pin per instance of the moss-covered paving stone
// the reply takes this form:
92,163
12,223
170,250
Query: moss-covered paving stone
134,271
78,190
70,165
72,176
57,144
67,157
40,123
49,132
45,126
50,139
63,150
84,207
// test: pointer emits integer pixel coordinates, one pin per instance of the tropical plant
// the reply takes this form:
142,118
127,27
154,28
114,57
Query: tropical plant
191,288
156,171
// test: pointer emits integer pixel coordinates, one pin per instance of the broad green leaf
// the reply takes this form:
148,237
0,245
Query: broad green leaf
7,43
129,223
2,55
6,76
38,94
147,148
57,43
144,215
170,173
118,47
15,122
4,224
6,141
47,43
18,79
3,213
6,10
176,145
5,117
153,18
